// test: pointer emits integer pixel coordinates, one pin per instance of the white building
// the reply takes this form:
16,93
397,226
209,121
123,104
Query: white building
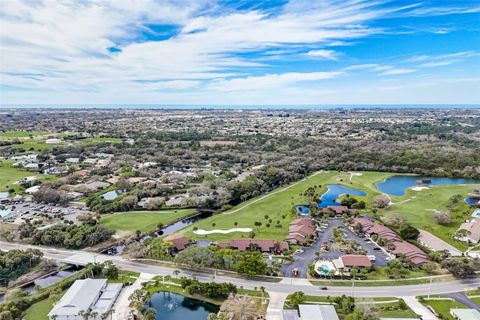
94,296
311,312
53,141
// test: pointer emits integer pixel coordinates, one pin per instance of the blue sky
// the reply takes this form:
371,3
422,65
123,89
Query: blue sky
240,52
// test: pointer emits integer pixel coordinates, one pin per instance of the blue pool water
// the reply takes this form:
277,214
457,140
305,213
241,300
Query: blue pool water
303,209
471,201
398,185
171,306
334,191
324,270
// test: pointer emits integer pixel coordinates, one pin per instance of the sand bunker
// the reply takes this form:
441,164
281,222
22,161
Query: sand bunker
203,232
419,188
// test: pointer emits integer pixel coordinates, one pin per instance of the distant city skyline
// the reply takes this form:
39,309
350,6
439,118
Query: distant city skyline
206,52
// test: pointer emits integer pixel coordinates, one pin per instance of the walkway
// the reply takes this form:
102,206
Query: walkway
275,306
419,308
122,310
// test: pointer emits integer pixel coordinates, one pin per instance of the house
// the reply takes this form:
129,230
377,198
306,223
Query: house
355,260
300,230
33,189
342,265
397,245
311,312
247,244
337,209
88,295
53,141
472,231
465,314
178,242
7,216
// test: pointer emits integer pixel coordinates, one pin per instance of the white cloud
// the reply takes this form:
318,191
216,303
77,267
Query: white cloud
397,71
269,81
323,54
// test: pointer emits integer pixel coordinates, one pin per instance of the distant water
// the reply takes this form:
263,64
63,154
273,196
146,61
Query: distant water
398,185
244,107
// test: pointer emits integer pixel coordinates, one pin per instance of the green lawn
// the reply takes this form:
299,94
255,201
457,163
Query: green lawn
21,134
40,310
442,307
385,309
9,175
143,220
419,211
279,203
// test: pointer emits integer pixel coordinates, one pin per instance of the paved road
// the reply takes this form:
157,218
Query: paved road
462,298
304,259
287,285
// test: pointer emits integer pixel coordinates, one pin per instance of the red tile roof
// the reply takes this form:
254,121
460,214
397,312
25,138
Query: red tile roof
265,245
179,242
356,260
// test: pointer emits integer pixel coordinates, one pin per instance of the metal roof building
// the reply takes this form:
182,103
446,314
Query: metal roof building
86,296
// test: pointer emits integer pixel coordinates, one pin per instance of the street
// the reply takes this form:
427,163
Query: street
286,285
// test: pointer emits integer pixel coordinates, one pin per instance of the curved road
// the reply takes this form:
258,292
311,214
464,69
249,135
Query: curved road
286,285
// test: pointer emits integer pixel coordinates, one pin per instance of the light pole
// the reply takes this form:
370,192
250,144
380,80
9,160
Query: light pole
430,288
353,287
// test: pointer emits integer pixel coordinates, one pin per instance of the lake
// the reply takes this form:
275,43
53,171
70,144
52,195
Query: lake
335,191
171,306
398,185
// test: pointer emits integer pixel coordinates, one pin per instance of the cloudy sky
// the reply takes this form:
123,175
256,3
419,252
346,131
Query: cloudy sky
239,52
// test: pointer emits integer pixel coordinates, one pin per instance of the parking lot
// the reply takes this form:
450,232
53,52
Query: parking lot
30,209
302,260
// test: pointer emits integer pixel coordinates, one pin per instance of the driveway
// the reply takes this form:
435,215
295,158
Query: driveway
462,298
419,308
304,259
121,306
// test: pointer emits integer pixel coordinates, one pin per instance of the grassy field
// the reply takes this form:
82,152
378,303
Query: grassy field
143,220
21,134
416,207
40,310
442,307
9,175
419,210
279,203
34,141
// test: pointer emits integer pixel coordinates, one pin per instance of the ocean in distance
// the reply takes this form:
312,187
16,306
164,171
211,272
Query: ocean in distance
241,107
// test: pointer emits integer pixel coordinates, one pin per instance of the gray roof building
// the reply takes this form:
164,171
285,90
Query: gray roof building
311,312
89,295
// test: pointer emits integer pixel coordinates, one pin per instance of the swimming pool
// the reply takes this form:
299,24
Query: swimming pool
303,209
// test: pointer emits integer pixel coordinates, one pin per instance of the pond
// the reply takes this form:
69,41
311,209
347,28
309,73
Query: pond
185,222
398,185
171,306
335,191
111,195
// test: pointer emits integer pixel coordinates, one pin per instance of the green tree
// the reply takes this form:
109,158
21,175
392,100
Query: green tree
297,298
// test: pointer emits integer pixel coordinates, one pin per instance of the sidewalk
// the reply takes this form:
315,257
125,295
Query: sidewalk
275,306
419,308
122,310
